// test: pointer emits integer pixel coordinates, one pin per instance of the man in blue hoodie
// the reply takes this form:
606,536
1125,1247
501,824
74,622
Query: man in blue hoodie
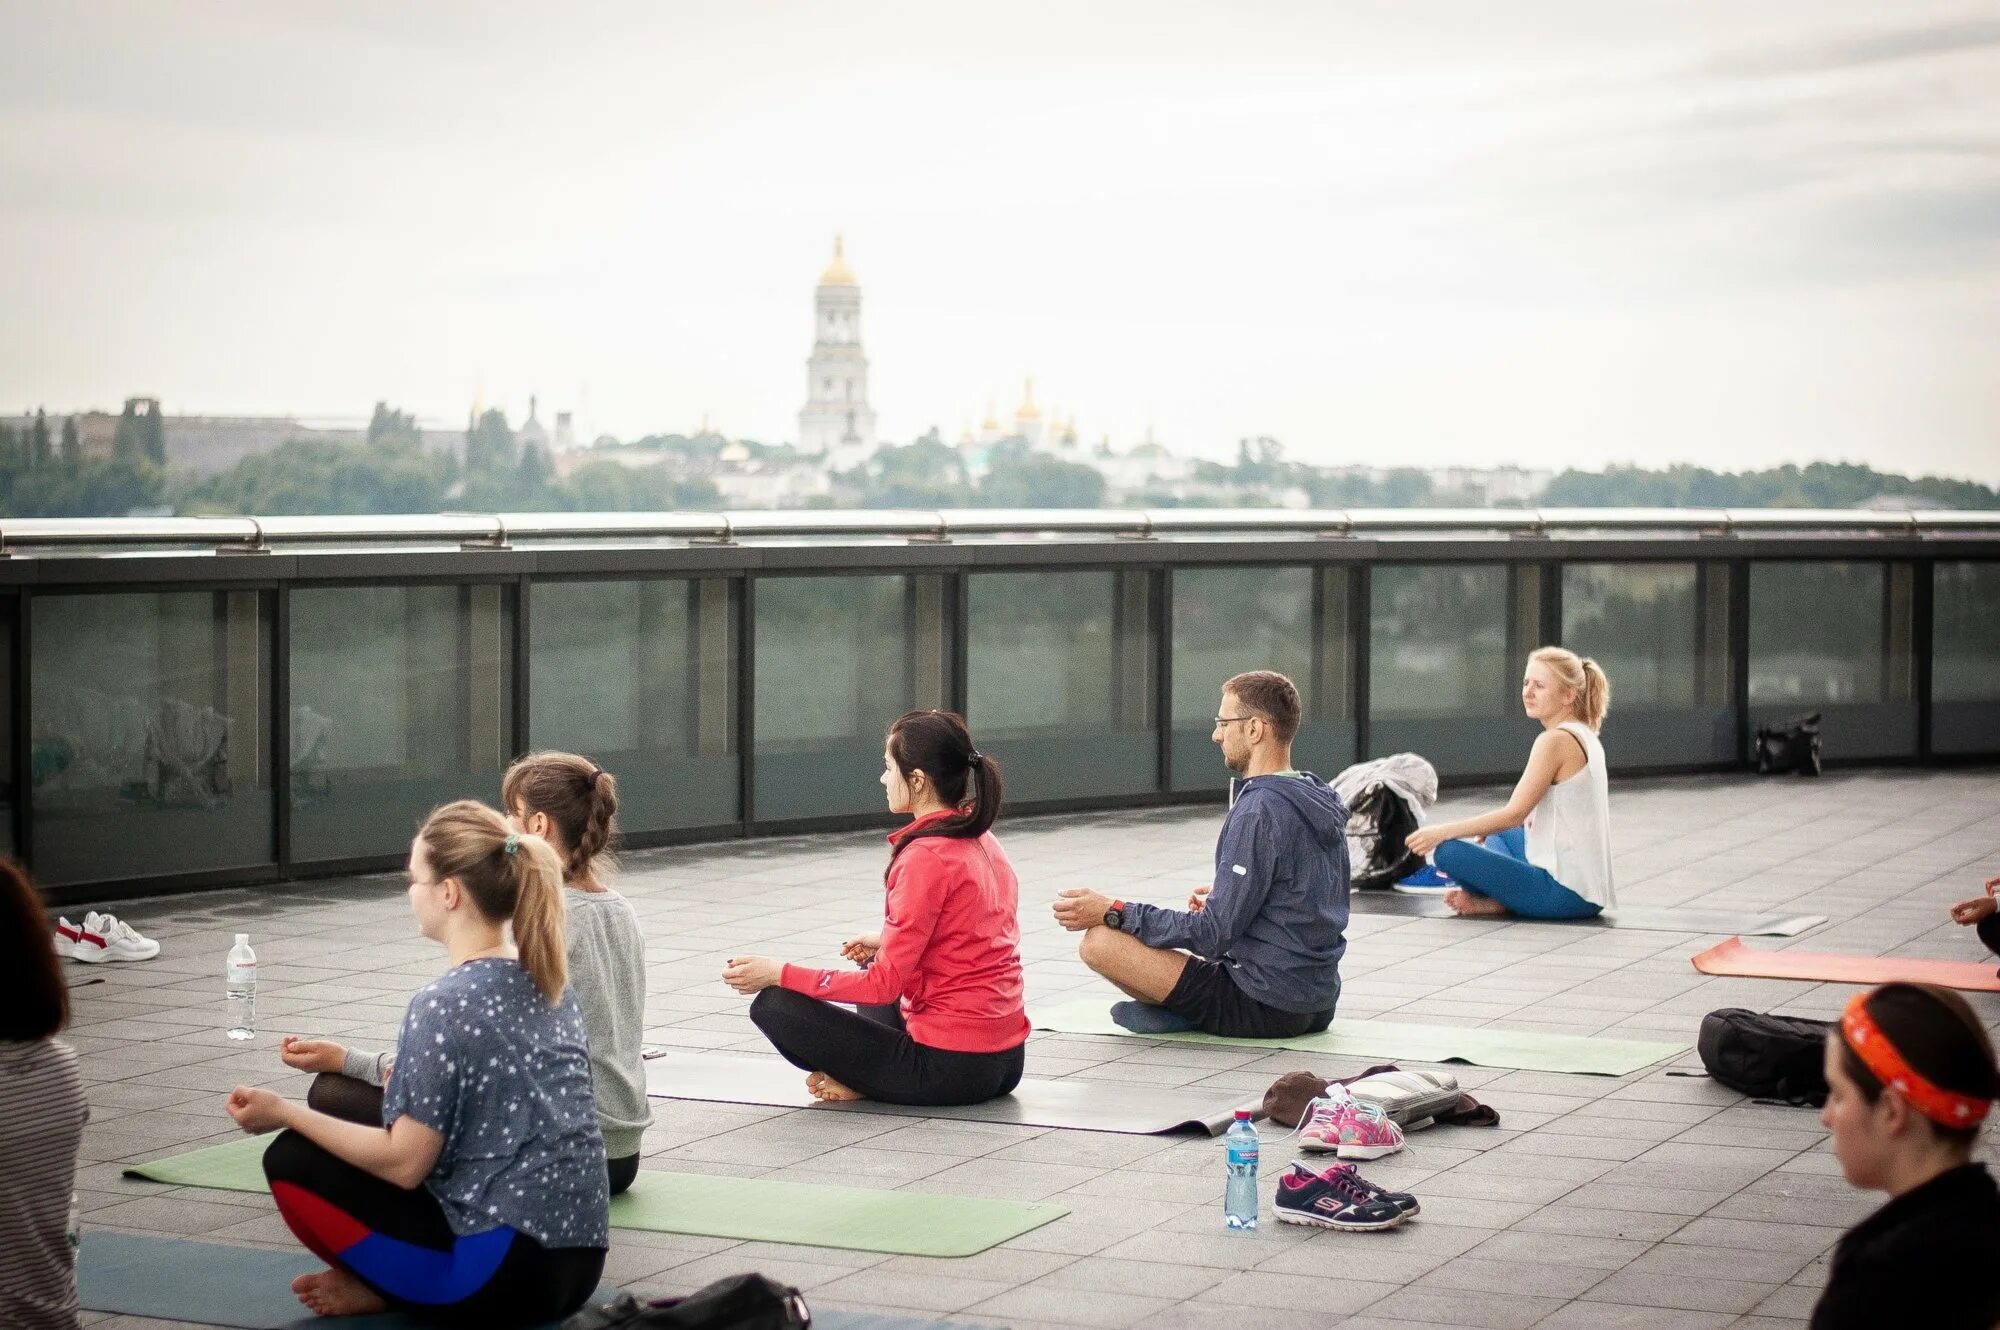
1267,936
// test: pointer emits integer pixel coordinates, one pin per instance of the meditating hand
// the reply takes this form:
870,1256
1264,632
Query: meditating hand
1078,908
257,1111
752,974
321,1055
861,950
1198,899
1426,839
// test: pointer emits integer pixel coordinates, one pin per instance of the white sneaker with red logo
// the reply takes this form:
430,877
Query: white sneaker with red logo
106,937
66,937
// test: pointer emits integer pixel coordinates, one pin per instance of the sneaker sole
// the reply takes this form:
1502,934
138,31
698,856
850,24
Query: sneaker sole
1312,1147
1367,1151
99,956
1314,1221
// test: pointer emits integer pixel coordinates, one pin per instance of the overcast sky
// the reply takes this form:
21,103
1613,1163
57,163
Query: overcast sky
1552,232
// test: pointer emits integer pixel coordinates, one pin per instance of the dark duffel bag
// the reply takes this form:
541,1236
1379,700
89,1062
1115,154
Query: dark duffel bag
1766,1057
740,1302
1791,745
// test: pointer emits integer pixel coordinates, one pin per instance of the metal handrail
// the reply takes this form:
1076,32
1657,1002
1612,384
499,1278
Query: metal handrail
497,529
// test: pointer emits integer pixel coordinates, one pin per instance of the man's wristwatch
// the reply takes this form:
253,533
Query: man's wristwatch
1114,918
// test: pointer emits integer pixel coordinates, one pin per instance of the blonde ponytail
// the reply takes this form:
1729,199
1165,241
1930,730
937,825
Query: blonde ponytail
1584,678
1595,700
511,878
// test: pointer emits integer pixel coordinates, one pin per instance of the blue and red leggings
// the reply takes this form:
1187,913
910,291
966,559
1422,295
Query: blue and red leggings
399,1244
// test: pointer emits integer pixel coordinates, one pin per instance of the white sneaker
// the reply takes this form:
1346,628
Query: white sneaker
66,937
106,937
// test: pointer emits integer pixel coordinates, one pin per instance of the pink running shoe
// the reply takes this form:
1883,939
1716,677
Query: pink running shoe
1341,1125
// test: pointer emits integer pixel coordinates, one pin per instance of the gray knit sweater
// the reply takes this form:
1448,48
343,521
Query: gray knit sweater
607,970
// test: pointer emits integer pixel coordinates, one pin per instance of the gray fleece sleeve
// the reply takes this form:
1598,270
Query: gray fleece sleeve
370,1067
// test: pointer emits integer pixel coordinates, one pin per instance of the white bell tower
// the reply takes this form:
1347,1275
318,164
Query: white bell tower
837,420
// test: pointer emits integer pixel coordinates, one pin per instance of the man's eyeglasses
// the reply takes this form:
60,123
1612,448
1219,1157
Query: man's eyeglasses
1232,720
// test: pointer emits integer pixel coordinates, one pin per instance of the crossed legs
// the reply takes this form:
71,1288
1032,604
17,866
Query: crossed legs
1146,974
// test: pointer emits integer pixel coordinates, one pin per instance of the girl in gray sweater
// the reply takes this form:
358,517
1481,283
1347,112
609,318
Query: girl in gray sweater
572,803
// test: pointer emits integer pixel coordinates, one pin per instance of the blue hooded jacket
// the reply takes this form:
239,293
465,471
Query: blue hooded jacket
1277,916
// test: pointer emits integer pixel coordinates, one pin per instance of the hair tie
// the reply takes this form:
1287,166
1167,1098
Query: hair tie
1947,1108
513,842
975,758
596,774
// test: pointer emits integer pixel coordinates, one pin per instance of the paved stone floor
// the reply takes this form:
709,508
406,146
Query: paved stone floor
1599,1202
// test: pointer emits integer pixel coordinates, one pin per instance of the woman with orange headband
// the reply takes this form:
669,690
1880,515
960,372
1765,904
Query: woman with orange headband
1911,1076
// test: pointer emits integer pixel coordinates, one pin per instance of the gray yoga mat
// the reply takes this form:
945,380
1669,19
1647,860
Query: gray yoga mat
211,1283
1690,919
250,1288
1135,1110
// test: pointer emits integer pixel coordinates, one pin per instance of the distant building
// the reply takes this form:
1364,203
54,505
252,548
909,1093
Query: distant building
203,446
837,422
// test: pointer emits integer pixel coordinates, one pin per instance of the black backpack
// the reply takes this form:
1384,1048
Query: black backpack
740,1302
1791,745
1766,1057
1380,821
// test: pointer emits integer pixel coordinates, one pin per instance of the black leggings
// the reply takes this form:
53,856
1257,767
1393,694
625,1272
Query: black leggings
1989,932
399,1244
351,1100
868,1051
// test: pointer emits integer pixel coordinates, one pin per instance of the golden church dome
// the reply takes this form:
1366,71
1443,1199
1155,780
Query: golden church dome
1028,410
838,273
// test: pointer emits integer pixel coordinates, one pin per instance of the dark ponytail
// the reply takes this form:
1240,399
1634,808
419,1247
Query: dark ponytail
967,780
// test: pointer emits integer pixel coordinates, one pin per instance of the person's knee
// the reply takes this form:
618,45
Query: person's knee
771,1006
290,1157
1097,946
1449,853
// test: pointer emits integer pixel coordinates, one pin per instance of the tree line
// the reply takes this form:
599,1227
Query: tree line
44,473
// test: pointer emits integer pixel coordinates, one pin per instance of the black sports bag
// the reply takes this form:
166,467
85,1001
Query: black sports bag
740,1302
1766,1057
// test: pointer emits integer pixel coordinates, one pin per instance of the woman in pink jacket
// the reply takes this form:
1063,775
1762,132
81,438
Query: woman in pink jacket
938,1015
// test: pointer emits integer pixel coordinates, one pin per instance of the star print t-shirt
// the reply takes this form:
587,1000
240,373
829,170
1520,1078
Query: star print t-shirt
487,1063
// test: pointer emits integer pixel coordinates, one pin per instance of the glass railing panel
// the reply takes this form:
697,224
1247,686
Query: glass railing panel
1060,681
640,677
1292,620
402,699
1443,680
1647,625
10,609
150,724
1965,657
1833,636
836,660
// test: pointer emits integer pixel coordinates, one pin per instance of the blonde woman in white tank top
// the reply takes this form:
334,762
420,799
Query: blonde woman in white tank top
1547,853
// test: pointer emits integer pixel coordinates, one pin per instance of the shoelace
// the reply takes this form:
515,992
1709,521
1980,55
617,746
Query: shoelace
1322,1109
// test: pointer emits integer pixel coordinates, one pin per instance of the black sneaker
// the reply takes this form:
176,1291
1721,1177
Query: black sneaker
1402,1200
1333,1199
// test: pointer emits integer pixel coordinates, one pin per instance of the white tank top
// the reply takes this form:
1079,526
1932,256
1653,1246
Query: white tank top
1569,831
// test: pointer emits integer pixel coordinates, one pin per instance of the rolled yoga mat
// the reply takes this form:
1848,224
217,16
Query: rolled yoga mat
905,1223
1733,958
1427,904
1480,1045
1136,1110
250,1288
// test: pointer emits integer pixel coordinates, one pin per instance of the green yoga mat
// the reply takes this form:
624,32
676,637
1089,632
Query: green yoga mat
905,1223
1481,1046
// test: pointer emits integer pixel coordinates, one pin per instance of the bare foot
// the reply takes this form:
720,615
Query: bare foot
826,1089
337,1293
1471,904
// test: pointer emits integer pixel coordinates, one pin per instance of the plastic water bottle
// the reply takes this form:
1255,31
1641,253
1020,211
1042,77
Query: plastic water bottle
239,975
74,1233
1239,1148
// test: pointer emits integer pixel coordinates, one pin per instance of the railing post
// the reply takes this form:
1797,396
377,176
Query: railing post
1162,592
1923,643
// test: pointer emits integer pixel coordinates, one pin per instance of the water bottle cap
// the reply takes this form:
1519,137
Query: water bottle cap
242,939
1242,1115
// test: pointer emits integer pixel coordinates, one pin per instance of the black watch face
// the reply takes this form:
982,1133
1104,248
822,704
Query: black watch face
1114,918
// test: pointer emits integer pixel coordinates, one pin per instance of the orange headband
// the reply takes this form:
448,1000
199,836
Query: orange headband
1947,1108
